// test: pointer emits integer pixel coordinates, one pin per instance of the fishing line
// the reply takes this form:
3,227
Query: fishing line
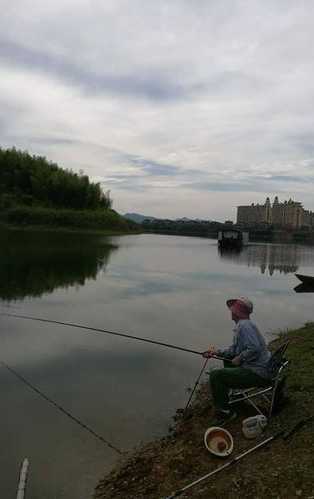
60,408
104,331
124,335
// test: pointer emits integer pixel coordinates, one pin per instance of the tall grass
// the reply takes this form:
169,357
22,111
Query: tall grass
85,219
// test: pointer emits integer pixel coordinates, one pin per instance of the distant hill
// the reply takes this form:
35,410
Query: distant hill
188,220
137,217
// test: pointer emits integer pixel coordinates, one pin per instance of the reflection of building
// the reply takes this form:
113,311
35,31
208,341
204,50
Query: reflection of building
273,258
289,214
280,258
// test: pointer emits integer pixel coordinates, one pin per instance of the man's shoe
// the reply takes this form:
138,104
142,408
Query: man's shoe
222,417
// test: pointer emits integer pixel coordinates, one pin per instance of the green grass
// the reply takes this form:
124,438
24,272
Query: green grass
105,220
301,356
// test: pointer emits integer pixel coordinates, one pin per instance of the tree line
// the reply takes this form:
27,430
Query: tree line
33,181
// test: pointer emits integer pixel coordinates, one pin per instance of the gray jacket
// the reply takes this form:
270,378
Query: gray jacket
250,345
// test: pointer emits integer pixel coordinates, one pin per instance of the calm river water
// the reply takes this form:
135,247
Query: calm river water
171,289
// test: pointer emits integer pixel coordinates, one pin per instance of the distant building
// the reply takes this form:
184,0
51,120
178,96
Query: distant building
289,214
255,214
308,218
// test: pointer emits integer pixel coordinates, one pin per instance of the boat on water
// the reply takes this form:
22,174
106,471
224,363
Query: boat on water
306,279
304,288
232,239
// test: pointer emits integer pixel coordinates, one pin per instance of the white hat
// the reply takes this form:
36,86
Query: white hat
242,299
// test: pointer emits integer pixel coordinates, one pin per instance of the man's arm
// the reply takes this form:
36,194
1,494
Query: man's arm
229,352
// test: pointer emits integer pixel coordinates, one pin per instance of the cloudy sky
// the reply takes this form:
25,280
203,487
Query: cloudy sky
180,108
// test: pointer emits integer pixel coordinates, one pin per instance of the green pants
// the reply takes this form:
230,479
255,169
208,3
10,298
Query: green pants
222,380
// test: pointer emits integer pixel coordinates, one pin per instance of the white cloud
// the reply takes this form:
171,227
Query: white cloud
219,93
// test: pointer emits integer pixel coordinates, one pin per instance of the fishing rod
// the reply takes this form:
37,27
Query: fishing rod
113,333
60,408
195,386
281,433
22,479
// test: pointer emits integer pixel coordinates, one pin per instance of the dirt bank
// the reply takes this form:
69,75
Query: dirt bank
284,469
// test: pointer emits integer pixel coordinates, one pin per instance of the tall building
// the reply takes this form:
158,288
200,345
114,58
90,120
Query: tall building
289,214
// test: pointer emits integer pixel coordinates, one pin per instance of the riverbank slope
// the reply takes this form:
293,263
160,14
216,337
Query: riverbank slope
105,221
282,470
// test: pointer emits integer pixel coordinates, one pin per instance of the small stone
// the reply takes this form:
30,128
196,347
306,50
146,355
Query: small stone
298,492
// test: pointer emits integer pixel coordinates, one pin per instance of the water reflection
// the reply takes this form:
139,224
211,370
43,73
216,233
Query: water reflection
35,263
271,258
171,289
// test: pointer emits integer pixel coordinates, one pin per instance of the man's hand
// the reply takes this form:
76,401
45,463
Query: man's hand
210,352
236,361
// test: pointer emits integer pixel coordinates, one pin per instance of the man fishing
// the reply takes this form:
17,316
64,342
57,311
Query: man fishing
246,363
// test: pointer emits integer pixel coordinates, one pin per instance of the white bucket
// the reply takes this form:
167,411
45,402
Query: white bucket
218,441
253,427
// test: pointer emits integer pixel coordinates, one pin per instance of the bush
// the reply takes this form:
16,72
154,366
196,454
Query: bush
88,219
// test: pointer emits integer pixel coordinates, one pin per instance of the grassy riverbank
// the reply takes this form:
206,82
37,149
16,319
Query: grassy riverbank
282,470
105,221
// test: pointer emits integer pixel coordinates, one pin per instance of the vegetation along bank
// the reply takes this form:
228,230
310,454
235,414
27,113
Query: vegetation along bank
35,192
281,470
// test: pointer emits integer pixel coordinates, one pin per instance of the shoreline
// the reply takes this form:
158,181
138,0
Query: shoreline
280,471
69,230
253,240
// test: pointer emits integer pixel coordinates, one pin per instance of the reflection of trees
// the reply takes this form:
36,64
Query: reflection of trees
284,258
32,264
